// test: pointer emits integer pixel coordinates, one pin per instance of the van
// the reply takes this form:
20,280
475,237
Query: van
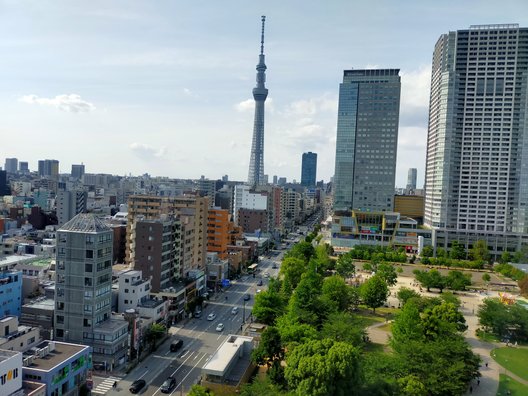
175,345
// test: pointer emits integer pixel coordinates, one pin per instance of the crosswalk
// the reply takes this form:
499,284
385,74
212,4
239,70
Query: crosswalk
105,386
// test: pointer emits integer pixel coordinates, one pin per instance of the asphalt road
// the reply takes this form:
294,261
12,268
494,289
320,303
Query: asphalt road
200,339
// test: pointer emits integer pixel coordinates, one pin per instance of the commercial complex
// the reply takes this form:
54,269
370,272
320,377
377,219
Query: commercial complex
477,145
367,139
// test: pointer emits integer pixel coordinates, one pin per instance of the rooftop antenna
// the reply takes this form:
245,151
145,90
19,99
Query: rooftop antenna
262,35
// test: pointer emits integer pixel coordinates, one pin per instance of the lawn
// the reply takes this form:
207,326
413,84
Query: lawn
512,359
368,318
508,384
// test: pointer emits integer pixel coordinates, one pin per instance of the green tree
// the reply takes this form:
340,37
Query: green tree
345,265
270,349
505,258
269,305
404,294
441,253
442,321
261,386
293,332
323,367
342,326
302,250
374,292
291,271
427,251
407,325
387,272
410,385
322,259
505,321
429,279
457,251
155,332
199,390
336,291
456,280
480,251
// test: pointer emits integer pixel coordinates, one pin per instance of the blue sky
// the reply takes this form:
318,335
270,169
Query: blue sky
164,87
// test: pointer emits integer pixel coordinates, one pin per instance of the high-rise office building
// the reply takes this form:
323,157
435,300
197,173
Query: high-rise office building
260,93
5,189
11,165
23,167
309,169
367,139
48,168
77,171
411,179
477,144
83,291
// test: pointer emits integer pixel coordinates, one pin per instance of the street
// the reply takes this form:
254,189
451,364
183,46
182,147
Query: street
200,340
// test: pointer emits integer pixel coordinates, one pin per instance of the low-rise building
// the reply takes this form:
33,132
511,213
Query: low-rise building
17,337
11,370
231,364
133,290
10,293
62,366
39,313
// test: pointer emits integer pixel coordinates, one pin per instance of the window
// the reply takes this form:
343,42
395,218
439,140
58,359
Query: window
89,254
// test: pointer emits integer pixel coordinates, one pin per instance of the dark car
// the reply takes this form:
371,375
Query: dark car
246,297
259,283
168,385
137,385
175,345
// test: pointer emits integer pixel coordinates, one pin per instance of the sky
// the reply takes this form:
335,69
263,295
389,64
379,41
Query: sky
164,87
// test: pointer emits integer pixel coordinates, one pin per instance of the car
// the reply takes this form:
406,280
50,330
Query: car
220,327
137,385
258,291
247,297
274,266
198,314
267,275
168,385
211,316
234,311
176,345
259,283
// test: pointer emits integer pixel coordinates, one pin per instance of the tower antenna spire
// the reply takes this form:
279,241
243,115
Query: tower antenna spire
262,35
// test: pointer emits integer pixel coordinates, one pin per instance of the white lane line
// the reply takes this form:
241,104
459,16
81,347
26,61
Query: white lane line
142,375
190,371
159,389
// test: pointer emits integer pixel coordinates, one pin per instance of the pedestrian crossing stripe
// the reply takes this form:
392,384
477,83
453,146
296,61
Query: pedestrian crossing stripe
105,386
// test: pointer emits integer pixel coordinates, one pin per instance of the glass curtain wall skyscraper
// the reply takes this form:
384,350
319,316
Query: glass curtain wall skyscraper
309,169
477,145
367,139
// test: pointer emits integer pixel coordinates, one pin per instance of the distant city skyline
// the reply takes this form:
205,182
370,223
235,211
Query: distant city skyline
164,89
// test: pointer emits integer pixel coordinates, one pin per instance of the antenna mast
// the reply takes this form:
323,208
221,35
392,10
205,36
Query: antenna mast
262,35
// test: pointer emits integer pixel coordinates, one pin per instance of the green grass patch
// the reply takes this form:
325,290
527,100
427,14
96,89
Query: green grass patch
512,359
487,337
386,327
372,347
509,384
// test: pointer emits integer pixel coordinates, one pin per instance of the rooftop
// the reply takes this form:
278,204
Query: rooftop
111,326
152,303
224,355
85,222
4,354
49,354
41,303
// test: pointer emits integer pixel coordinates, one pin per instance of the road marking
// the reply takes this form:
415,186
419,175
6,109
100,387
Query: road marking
105,386
190,371
142,375
172,375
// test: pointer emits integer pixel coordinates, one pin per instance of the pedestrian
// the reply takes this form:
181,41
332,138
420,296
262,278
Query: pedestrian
470,389
478,382
115,384
486,364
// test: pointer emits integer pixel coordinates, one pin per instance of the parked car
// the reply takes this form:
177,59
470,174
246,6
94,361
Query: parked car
197,314
258,291
176,345
234,311
259,283
274,266
137,385
267,275
220,327
247,297
168,385
211,316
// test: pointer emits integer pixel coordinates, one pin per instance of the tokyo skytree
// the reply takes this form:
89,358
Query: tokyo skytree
260,93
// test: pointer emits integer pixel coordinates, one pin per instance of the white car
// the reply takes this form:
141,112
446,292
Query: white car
220,327
211,316
258,291
267,275
234,311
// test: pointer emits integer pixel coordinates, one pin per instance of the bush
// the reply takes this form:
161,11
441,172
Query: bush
510,271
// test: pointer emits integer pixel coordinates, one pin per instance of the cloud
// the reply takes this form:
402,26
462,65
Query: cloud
147,152
72,103
414,103
248,105
190,93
